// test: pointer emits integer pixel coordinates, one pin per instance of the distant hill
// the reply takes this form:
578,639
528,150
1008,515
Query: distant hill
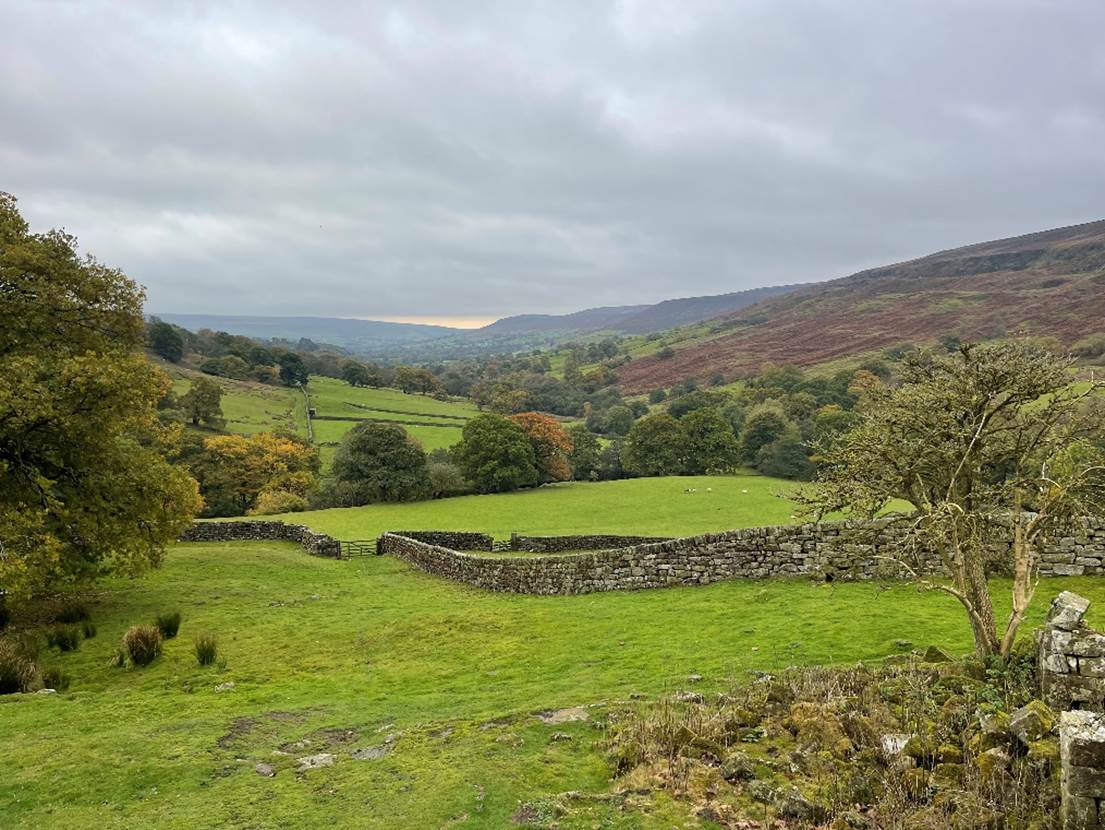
362,336
1049,283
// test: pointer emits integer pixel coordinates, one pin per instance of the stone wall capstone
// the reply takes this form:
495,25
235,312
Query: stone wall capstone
830,550
457,540
564,544
316,544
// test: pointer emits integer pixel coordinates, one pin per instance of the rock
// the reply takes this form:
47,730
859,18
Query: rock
1044,754
370,753
947,776
1067,610
46,692
265,770
694,678
993,762
893,744
737,766
574,713
903,645
995,731
689,697
225,687
309,762
1032,722
790,803
935,654
761,791
559,736
949,754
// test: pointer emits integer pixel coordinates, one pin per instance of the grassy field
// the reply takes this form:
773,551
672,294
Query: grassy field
335,656
639,506
250,407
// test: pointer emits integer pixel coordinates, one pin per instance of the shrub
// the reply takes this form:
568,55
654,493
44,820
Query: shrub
65,637
272,502
88,628
54,678
206,649
72,611
168,624
142,644
17,671
5,614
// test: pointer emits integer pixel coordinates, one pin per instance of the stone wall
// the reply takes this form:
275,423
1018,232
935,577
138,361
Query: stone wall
316,544
840,550
457,540
1071,657
564,544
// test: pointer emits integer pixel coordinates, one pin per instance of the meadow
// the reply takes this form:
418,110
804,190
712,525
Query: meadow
638,506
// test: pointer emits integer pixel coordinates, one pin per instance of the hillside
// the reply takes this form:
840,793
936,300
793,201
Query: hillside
1050,283
355,335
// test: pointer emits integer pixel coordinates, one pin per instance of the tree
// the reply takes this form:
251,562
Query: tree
584,457
378,462
496,455
85,487
764,423
785,457
446,480
657,396
654,447
551,444
202,403
710,445
235,470
166,341
413,379
355,374
990,446
618,420
292,370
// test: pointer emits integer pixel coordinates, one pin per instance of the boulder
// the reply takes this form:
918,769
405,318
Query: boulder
309,762
737,766
1031,722
1067,610
935,654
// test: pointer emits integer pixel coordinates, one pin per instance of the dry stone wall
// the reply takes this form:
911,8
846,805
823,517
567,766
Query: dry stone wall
316,544
565,544
841,550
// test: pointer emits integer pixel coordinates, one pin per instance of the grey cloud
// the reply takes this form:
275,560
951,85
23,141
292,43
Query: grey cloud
443,158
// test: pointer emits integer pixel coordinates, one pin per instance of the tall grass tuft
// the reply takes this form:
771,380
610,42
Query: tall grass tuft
54,678
206,648
73,611
88,628
65,637
17,671
168,624
142,644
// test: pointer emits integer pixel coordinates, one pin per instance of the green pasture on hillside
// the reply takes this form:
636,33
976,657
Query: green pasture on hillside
444,680
250,407
639,506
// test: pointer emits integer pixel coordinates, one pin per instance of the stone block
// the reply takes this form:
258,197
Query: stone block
1067,610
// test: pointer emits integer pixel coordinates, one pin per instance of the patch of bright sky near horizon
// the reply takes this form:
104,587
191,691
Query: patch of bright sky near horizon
431,160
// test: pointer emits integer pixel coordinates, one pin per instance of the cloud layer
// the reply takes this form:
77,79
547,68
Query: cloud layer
482,159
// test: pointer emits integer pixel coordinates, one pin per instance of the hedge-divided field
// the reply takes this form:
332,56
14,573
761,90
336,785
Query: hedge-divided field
439,685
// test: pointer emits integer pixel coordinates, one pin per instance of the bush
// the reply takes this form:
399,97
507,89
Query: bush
72,611
65,637
5,614
446,479
168,624
54,678
272,502
142,644
88,628
206,649
17,671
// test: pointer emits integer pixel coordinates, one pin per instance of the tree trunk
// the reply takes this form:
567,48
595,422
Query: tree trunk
977,591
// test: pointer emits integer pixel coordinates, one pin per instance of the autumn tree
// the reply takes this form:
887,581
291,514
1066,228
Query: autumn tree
235,470
655,447
202,403
84,484
378,462
551,444
993,449
496,455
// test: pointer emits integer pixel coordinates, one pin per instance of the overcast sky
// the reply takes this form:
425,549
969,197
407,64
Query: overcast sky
475,159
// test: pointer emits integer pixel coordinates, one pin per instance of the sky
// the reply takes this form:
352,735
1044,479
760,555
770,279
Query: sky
462,161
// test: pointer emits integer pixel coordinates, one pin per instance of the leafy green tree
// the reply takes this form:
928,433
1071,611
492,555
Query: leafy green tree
292,370
991,447
785,457
166,341
584,458
85,487
202,403
378,462
618,420
496,455
765,423
414,379
355,373
710,445
657,396
655,447
446,480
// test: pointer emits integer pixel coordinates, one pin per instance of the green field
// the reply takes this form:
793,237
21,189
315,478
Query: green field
333,656
250,407
639,506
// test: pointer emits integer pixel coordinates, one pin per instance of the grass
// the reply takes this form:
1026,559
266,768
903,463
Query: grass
641,506
247,406
330,656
